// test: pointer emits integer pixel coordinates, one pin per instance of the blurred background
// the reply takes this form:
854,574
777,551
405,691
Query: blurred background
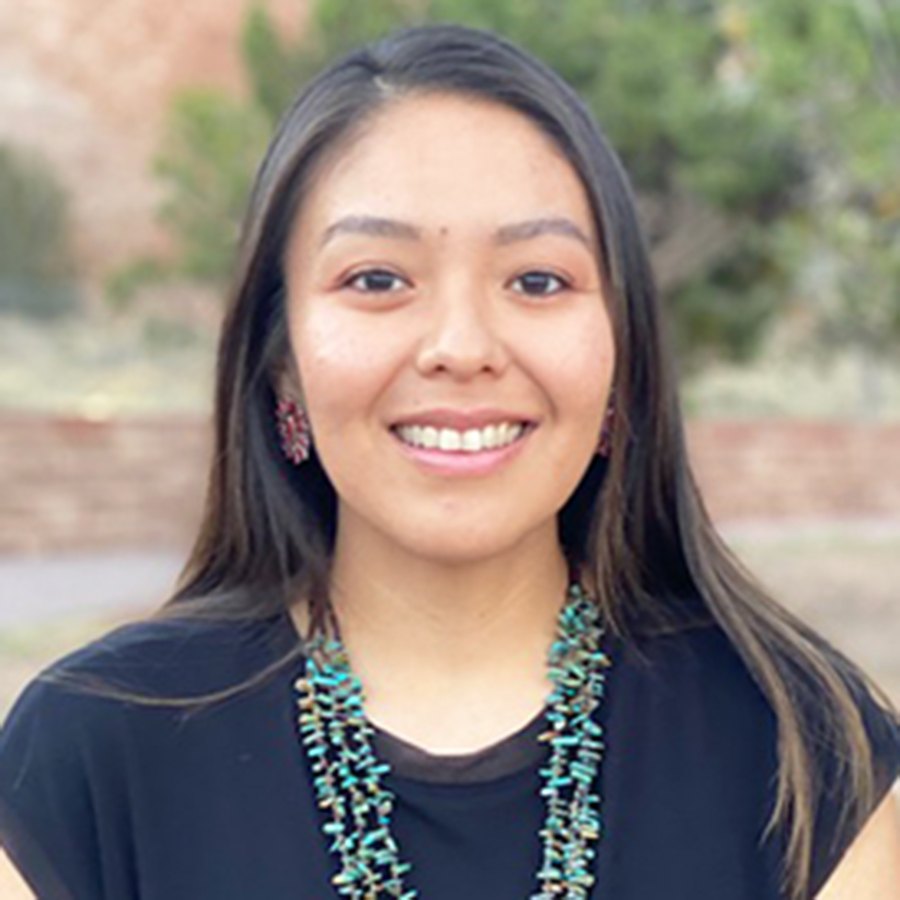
763,139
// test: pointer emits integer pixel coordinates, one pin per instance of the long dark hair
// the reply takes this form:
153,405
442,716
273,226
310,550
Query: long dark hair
636,525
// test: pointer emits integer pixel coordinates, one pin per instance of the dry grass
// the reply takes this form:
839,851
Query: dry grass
846,586
102,365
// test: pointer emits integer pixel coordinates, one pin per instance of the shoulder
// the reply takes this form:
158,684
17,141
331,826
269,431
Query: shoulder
171,656
697,667
77,707
689,696
74,748
697,677
702,665
844,816
697,690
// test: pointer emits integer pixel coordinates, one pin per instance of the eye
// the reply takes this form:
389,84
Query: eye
539,283
375,281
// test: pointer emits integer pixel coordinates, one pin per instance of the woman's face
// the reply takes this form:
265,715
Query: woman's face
451,339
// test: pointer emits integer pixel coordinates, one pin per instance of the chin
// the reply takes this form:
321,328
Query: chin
448,534
454,556
471,546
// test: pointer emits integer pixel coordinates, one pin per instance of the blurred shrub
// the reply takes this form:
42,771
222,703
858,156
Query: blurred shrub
836,66
211,146
168,334
123,284
37,265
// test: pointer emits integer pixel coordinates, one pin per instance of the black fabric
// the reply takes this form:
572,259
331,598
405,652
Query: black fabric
518,751
103,800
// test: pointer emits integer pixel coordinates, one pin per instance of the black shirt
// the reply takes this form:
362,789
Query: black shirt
104,800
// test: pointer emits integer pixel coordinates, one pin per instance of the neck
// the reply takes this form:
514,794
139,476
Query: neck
421,631
440,614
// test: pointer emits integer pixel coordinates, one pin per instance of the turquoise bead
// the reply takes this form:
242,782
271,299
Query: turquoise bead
337,741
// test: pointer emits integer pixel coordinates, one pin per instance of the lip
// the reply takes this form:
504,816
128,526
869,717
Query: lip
462,420
461,463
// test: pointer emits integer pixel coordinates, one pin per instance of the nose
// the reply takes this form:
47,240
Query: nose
462,338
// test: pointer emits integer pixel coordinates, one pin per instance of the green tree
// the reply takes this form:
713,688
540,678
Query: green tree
274,66
835,66
706,102
37,264
212,144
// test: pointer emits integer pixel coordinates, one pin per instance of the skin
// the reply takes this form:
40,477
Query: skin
449,583
870,870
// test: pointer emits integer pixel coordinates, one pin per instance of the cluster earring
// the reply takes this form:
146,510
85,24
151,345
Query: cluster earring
293,430
604,445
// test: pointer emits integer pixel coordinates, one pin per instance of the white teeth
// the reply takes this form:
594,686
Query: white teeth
471,440
450,440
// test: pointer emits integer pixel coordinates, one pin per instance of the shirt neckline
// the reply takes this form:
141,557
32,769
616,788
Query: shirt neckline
508,756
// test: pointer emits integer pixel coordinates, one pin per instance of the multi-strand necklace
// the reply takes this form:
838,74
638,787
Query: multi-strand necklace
349,779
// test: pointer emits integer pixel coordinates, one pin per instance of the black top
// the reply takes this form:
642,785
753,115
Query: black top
102,800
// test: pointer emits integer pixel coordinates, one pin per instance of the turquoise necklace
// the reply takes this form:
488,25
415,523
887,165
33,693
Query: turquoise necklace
349,779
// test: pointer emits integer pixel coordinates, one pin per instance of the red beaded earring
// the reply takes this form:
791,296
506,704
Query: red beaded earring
604,445
294,431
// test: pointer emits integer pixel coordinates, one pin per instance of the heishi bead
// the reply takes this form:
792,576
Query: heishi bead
336,738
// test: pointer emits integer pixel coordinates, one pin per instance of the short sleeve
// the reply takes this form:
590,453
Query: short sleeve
82,758
834,836
47,811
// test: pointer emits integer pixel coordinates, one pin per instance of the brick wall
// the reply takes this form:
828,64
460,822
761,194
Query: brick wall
69,483
86,83
801,470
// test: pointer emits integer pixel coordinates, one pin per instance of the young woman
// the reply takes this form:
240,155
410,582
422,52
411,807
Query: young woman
456,623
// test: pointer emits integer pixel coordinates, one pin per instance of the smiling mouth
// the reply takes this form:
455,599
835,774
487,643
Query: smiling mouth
472,440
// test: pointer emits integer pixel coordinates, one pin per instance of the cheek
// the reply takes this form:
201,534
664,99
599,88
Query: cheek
578,369
340,366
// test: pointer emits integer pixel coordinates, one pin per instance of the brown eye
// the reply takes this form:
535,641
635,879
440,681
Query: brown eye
375,281
539,284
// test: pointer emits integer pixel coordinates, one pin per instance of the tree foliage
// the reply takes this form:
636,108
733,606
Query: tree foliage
835,66
212,145
728,116
37,269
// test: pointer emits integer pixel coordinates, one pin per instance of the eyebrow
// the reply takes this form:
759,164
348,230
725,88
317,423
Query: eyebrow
532,228
377,226
374,226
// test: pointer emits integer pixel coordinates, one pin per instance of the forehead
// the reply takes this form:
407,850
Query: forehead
448,163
